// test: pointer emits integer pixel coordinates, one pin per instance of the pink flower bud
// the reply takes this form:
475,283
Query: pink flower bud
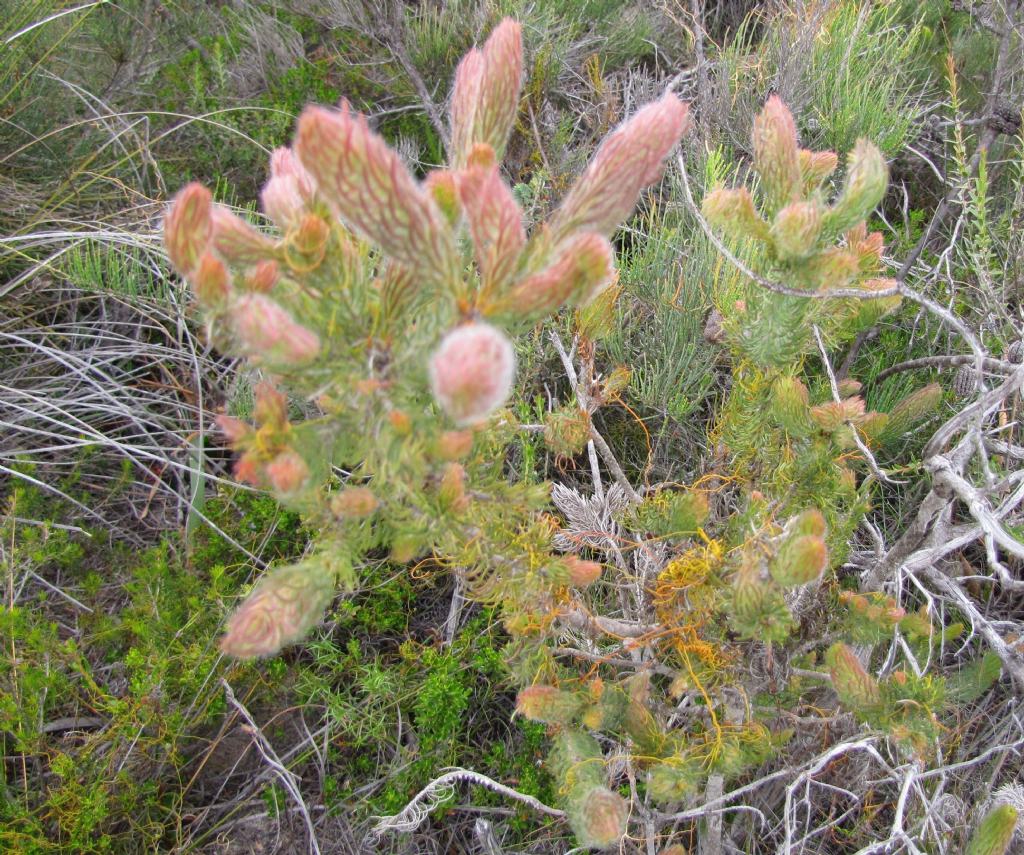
582,573
266,330
471,372
270,406
248,470
628,160
775,153
465,98
236,240
282,608
454,444
796,230
815,167
312,235
263,277
287,472
485,98
282,201
212,282
187,227
452,489
584,264
867,246
371,190
290,190
495,219
354,503
284,164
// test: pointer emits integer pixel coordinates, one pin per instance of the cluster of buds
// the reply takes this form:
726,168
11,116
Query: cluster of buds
268,457
797,228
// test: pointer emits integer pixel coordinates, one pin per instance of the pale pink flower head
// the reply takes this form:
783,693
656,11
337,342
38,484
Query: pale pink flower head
471,372
282,608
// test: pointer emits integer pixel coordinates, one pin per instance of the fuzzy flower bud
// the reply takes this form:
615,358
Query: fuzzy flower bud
270,406
234,430
400,422
548,704
288,472
795,230
452,490
494,217
212,282
354,503
236,240
995,832
599,819
815,167
775,153
800,560
471,372
867,176
582,573
733,212
485,98
266,330
914,408
263,277
288,193
187,227
583,266
628,160
855,686
310,237
369,187
454,444
282,608
790,404
811,521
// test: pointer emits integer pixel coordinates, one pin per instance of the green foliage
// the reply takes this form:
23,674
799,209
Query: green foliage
132,682
995,832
